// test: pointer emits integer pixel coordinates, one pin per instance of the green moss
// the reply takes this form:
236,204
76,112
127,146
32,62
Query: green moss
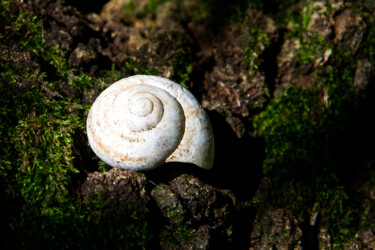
39,160
134,9
128,11
216,13
103,167
366,48
182,68
180,232
134,68
307,133
259,41
108,225
42,131
301,138
152,6
311,49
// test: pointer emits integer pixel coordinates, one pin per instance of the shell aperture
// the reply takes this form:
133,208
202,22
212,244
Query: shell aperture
143,121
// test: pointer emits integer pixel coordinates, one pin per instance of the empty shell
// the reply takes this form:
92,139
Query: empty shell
142,121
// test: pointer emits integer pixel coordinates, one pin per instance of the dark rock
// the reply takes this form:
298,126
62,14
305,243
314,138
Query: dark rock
23,62
168,201
17,56
365,240
324,239
202,200
231,88
363,74
292,71
69,18
236,124
365,236
276,229
199,215
95,22
342,27
155,50
58,37
118,184
82,55
349,29
116,206
320,22
161,52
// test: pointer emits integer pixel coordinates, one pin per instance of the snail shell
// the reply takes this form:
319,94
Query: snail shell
142,121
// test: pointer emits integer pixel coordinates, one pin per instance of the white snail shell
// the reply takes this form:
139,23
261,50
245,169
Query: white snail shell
142,121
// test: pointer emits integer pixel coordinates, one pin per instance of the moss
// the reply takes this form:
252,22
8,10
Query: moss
180,233
258,43
218,13
308,138
134,68
151,6
366,48
128,11
301,137
103,167
40,161
42,126
182,68
148,9
107,225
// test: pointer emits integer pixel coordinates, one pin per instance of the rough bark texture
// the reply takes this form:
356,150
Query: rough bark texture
276,229
200,216
235,67
117,184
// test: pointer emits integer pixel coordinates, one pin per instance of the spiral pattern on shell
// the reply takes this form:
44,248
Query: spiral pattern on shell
143,121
